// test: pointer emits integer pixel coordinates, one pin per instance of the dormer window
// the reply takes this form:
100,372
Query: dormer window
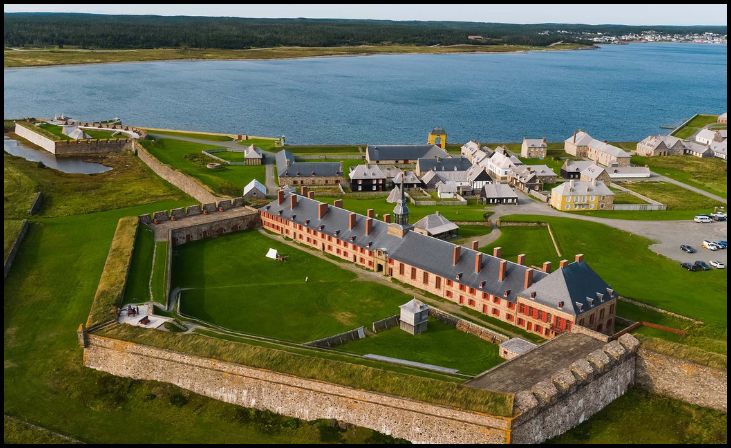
533,295
458,276
579,305
482,284
322,227
294,216
307,221
507,293
560,304
590,301
600,296
337,232
280,211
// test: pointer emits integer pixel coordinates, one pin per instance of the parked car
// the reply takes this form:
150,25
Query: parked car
703,219
689,266
702,265
717,264
710,245
723,244
687,248
718,216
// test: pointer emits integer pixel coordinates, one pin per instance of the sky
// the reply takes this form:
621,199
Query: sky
669,14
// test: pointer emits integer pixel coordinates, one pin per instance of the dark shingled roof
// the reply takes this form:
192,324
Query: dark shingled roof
448,164
404,152
287,166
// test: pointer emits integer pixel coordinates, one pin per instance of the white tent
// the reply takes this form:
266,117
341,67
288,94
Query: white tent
273,254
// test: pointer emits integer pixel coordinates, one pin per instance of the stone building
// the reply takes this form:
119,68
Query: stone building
291,172
515,347
576,195
660,145
722,118
534,148
501,164
252,155
439,164
531,177
254,190
584,145
594,172
414,316
540,301
407,179
402,154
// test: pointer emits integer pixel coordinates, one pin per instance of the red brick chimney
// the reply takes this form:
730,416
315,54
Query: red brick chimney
497,252
475,244
311,194
455,254
322,210
338,203
303,191
521,259
579,258
547,267
563,263
368,226
351,221
386,218
528,279
501,271
293,201
280,196
369,213
478,262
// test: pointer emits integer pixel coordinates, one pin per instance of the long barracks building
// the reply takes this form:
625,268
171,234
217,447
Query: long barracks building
536,300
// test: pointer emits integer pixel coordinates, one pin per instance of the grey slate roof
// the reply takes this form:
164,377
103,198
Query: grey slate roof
446,187
367,172
478,173
252,152
580,138
518,345
592,171
287,166
582,188
404,152
255,184
414,306
604,147
425,252
408,178
448,164
576,166
394,195
535,142
435,224
576,285
498,191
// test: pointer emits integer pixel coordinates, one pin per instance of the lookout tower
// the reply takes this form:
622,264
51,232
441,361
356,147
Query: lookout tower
438,136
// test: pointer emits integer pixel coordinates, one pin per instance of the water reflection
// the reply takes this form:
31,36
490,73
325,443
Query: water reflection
70,165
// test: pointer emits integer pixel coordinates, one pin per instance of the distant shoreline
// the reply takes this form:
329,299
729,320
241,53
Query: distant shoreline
34,58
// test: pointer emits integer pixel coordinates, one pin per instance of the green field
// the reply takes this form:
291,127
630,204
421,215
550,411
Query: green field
57,132
138,279
20,432
187,157
470,212
201,136
675,197
158,282
708,173
230,156
534,242
440,345
228,275
639,417
472,230
625,262
316,149
622,197
695,125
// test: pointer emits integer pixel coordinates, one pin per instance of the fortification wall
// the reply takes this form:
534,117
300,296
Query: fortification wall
14,249
73,147
468,327
683,380
205,230
36,138
185,183
573,394
294,396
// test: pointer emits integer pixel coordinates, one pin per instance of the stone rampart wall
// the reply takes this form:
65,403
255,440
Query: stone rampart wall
36,205
185,183
575,393
14,249
71,148
294,396
468,327
681,379
205,230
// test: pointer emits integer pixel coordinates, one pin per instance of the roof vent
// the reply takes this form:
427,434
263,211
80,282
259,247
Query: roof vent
610,291
337,232
600,296
459,275
307,221
482,284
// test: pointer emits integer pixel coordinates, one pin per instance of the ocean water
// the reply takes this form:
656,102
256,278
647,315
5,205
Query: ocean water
619,93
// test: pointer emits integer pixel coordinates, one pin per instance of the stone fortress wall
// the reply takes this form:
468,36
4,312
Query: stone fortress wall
72,147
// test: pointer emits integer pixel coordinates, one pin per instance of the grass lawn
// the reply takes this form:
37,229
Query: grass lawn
11,230
159,272
129,182
709,173
57,131
622,197
138,280
315,149
675,197
229,155
695,125
19,189
472,230
201,136
230,273
625,262
639,417
440,345
470,212
534,242
187,157
20,432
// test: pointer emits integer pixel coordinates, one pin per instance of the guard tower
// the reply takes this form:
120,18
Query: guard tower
438,136
413,317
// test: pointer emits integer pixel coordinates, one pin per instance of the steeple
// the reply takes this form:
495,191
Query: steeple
401,210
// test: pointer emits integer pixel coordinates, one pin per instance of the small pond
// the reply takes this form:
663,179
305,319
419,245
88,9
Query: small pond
70,165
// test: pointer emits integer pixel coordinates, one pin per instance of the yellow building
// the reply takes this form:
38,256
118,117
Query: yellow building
438,136
582,195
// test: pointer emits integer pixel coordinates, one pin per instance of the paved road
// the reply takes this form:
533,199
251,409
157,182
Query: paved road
669,235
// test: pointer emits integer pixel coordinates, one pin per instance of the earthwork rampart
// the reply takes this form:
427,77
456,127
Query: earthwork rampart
72,147
15,247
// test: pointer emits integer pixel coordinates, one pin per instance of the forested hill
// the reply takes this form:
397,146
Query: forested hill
125,31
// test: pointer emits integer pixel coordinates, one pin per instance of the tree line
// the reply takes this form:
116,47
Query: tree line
146,31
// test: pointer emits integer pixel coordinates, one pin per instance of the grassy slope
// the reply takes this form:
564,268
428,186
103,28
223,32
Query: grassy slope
675,197
66,194
19,432
25,58
201,136
440,345
709,174
639,417
230,273
695,125
187,157
630,267
138,281
11,231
